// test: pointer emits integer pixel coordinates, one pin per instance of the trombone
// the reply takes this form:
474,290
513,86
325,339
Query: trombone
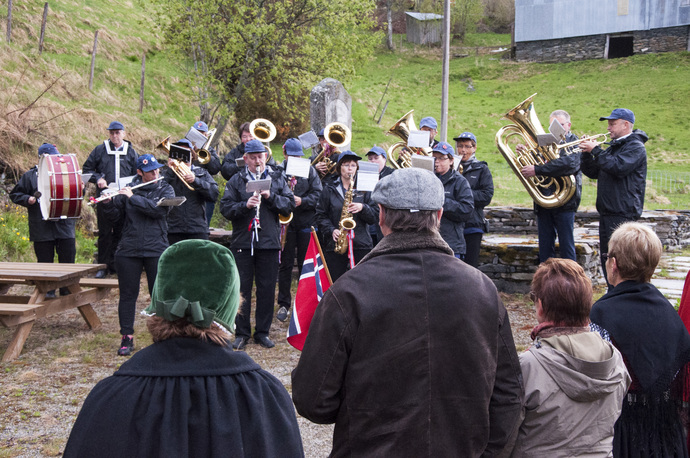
203,155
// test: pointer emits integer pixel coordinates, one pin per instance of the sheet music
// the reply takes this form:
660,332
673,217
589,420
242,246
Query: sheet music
197,138
557,129
258,185
546,139
367,176
124,181
297,167
423,162
308,139
239,162
419,139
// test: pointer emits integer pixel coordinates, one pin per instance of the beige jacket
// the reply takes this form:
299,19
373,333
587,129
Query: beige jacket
574,387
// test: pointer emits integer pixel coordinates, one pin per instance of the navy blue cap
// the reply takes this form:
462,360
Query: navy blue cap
444,148
428,122
466,136
201,126
347,154
378,151
47,148
621,113
183,142
254,146
293,147
147,162
320,134
116,125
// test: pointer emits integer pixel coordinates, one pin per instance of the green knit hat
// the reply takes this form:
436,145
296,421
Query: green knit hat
197,279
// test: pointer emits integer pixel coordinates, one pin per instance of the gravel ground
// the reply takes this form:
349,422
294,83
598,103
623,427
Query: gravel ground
42,391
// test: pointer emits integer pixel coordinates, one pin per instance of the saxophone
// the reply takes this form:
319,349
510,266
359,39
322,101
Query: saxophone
347,222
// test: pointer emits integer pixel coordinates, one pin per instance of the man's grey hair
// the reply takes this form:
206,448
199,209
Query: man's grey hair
561,114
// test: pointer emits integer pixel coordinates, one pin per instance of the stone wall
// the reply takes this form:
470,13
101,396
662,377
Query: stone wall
593,46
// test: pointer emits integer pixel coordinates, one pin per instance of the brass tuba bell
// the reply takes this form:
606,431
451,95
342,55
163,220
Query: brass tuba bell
527,127
400,159
263,130
337,134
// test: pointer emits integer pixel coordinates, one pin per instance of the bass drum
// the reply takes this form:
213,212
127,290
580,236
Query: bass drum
60,185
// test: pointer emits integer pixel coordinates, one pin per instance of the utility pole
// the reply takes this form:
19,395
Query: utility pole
446,70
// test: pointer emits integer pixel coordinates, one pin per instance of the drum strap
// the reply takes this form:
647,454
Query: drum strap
117,155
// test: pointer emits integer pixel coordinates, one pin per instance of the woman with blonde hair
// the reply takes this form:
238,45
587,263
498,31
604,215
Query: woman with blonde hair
655,345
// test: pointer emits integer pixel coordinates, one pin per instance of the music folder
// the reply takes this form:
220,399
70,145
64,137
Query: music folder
367,176
171,201
196,137
258,185
423,162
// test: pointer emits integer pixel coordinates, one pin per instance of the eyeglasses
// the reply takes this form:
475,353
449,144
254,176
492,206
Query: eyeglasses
533,296
606,256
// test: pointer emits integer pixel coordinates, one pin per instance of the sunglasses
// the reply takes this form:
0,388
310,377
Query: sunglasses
532,296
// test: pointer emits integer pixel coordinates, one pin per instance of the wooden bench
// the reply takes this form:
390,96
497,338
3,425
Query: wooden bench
98,282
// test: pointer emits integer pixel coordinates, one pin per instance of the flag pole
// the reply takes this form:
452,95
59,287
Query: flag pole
323,259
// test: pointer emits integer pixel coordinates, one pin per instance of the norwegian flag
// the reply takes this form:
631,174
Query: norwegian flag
313,282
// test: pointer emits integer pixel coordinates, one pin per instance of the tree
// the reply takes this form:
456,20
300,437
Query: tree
246,54
465,14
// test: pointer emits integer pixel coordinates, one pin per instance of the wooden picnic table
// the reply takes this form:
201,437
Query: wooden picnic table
22,311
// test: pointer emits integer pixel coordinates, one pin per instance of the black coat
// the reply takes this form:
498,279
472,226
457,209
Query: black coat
621,170
330,208
102,165
145,230
233,206
457,208
411,354
40,230
309,189
481,183
567,164
185,397
190,217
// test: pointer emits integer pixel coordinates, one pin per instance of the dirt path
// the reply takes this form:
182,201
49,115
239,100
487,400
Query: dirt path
42,391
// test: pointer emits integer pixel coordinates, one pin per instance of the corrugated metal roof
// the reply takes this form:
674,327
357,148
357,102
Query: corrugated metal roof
424,16
551,19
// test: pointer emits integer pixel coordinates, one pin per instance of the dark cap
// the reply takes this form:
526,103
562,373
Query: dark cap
620,113
320,134
147,162
47,148
428,122
347,155
466,136
378,151
293,147
444,148
410,189
183,142
201,126
116,125
254,146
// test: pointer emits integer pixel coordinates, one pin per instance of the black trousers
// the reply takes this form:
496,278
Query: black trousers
473,243
66,250
128,279
608,224
179,236
109,234
262,267
338,264
295,241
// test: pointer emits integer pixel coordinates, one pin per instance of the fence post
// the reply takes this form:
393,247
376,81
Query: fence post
43,28
93,60
141,91
9,21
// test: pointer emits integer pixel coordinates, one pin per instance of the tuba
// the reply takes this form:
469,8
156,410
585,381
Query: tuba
347,222
337,135
401,159
548,192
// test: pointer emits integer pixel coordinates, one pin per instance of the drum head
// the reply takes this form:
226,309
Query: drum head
60,185
44,185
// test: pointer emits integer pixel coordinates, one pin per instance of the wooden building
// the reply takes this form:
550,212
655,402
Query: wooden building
423,28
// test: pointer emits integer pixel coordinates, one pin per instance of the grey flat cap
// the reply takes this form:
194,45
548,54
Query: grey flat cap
410,189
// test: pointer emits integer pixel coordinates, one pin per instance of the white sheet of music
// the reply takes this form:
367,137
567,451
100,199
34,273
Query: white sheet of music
308,139
423,162
419,139
197,138
297,167
367,176
258,185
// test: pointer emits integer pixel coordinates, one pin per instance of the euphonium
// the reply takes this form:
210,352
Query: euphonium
347,222
337,135
548,192
402,129
178,167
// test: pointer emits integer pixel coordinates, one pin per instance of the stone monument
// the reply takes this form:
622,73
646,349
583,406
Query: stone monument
330,102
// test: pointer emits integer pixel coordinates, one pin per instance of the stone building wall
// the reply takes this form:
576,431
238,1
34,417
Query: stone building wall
593,46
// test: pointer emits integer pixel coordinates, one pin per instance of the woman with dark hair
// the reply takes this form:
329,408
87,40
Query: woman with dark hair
330,209
189,394
655,344
574,380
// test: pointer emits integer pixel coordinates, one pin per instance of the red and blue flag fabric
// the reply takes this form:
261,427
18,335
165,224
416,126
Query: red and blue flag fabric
313,283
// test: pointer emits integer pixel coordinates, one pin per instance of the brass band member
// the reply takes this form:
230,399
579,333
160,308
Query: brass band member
330,152
256,251
108,162
188,221
306,192
144,238
48,237
212,167
229,167
378,156
331,209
